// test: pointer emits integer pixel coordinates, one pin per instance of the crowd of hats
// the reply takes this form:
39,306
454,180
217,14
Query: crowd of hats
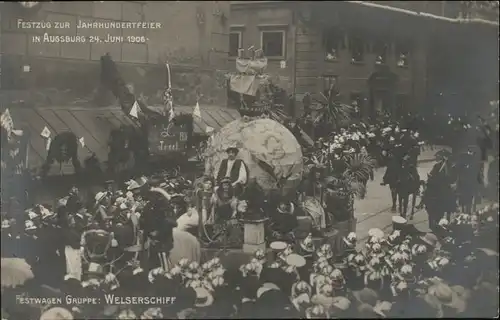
317,282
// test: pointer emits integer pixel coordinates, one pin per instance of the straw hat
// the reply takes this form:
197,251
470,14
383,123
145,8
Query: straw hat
406,273
301,287
367,296
376,233
307,244
203,297
351,239
127,314
278,245
152,313
29,225
341,303
100,196
418,249
325,251
57,313
316,312
337,279
295,260
430,239
136,184
447,296
260,255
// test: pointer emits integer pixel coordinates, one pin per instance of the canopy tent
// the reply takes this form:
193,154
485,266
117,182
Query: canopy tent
265,145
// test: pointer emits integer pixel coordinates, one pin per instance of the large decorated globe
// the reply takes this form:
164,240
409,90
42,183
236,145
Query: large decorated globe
270,151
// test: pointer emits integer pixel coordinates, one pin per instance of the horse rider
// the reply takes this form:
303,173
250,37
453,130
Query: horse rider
391,175
234,169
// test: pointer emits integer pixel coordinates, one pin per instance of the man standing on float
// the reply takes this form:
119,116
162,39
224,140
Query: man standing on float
234,169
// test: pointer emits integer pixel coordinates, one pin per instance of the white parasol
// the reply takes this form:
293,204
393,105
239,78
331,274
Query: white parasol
15,272
268,149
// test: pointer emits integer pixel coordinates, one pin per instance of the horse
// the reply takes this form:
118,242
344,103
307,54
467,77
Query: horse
469,182
407,183
63,148
439,196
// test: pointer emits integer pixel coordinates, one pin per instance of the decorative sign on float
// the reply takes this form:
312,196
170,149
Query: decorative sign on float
164,139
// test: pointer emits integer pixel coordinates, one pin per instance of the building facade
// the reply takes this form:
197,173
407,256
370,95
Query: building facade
383,55
192,36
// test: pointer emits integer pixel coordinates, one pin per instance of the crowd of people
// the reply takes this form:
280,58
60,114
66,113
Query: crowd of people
449,273
144,238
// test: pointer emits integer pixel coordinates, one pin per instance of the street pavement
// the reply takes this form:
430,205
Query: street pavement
374,211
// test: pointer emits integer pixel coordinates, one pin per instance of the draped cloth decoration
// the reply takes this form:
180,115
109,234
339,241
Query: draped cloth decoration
259,140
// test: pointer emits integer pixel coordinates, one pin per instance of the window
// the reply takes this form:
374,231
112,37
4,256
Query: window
234,43
334,42
273,43
402,54
381,49
328,81
357,48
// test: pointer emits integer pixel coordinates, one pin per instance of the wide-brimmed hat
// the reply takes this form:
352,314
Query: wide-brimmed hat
367,296
406,273
301,287
6,224
29,225
57,313
127,314
136,184
376,233
278,245
307,244
325,251
430,239
99,196
225,180
447,297
266,287
203,297
295,260
341,303
232,149
316,312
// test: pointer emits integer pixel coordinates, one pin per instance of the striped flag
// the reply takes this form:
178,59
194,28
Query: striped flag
6,122
168,99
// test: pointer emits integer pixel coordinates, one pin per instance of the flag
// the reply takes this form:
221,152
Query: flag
168,99
197,111
134,112
45,133
7,122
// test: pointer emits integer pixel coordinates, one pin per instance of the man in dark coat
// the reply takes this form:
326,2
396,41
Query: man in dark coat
234,169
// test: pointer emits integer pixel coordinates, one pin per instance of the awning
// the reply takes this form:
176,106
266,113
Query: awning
95,124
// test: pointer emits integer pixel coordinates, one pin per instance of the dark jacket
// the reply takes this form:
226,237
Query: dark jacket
235,170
